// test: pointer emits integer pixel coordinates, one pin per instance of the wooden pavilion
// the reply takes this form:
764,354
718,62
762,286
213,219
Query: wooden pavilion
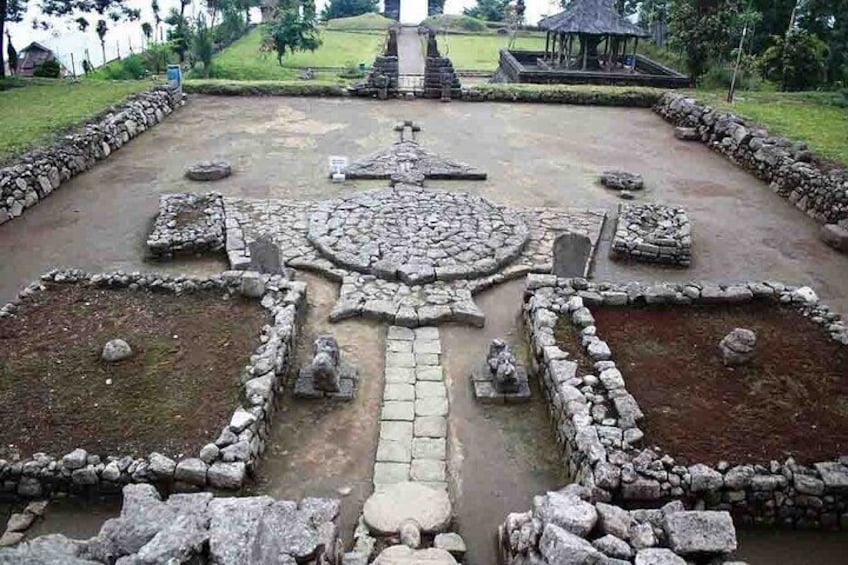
591,22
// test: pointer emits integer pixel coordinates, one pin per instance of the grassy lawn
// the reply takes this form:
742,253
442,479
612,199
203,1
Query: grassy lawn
243,61
813,117
363,22
32,114
480,52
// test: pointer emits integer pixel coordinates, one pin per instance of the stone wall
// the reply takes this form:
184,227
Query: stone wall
35,175
568,526
790,168
222,464
597,419
199,528
188,222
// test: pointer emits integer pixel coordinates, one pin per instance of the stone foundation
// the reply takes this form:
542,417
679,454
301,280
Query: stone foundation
188,223
597,419
37,174
791,170
653,233
198,528
223,464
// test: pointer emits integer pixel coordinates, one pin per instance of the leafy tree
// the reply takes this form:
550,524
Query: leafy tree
11,11
488,10
347,8
201,44
702,31
179,35
154,5
796,60
435,7
48,69
291,31
828,20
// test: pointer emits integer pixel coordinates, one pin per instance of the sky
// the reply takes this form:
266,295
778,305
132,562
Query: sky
64,39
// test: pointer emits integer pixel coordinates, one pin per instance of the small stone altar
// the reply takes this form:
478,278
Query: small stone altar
327,376
653,233
500,378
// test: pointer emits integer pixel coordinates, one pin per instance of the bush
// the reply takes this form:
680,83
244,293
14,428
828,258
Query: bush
131,68
48,69
796,61
445,22
264,88
366,22
347,8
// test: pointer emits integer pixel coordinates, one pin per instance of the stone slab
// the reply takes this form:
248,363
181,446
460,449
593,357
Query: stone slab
384,512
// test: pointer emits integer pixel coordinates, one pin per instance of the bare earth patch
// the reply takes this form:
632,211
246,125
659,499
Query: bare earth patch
171,396
792,400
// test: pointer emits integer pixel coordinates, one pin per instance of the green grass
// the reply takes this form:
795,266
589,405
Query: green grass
363,22
447,22
33,114
243,61
265,87
480,52
813,117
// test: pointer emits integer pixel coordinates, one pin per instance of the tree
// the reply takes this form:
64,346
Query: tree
347,8
201,44
11,11
179,35
488,10
154,5
796,60
702,31
147,31
11,54
828,20
101,30
289,31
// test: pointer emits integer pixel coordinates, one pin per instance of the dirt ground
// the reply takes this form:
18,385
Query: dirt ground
791,399
535,155
172,395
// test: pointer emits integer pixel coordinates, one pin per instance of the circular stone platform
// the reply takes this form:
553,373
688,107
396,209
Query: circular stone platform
417,235
209,170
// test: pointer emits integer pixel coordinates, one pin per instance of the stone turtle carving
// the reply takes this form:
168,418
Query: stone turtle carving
327,376
622,180
500,378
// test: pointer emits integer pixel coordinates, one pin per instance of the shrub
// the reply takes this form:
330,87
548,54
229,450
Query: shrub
796,61
445,22
48,69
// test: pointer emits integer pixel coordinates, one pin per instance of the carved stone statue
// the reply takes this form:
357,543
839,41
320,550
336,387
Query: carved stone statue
325,364
501,363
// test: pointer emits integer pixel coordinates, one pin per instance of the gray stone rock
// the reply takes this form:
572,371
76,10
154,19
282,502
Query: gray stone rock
572,252
737,347
694,532
410,534
192,471
19,522
161,467
180,541
233,528
568,512
704,478
283,530
76,459
614,520
621,180
452,543
116,350
613,547
387,509
226,475
564,548
209,170
403,555
658,556
835,236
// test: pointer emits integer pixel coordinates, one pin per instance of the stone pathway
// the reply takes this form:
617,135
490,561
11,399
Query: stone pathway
410,54
413,418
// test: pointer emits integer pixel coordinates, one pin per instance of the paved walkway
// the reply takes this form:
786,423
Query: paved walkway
410,54
413,419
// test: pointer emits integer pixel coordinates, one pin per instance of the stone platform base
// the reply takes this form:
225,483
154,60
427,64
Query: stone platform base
485,391
304,387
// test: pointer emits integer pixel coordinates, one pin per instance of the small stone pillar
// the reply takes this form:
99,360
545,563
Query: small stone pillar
446,81
381,81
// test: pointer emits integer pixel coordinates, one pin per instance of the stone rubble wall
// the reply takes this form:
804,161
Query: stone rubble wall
653,233
222,464
204,232
568,526
791,170
37,174
596,418
199,528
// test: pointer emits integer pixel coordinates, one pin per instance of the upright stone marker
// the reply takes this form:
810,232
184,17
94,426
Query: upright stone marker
571,254
265,256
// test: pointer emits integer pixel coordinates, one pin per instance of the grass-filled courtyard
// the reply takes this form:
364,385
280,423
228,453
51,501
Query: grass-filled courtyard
479,52
33,114
243,60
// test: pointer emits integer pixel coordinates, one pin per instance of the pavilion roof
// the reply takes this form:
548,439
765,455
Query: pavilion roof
593,17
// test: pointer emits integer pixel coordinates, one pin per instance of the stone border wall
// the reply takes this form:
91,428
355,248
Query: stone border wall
221,464
790,168
596,418
36,174
202,231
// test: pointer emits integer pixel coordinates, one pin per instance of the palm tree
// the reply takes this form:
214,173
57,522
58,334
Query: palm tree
147,30
101,33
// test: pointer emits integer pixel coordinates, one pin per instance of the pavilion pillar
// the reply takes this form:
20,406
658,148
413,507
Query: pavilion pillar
635,49
584,46
547,42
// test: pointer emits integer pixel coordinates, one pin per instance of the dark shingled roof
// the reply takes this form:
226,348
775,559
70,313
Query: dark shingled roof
593,17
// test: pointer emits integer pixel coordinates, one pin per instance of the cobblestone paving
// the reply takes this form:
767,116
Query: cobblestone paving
286,223
414,414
